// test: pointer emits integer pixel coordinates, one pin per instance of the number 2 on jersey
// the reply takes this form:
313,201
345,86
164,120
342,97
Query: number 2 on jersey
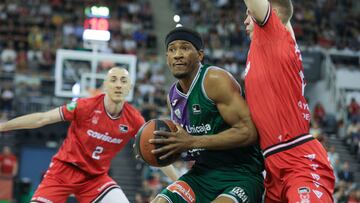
96,154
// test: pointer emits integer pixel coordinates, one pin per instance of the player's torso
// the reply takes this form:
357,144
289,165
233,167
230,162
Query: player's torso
95,137
199,115
274,82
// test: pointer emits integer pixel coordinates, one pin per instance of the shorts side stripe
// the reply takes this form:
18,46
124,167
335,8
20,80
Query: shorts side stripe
104,192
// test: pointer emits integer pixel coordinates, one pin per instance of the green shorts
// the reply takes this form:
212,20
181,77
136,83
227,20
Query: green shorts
205,186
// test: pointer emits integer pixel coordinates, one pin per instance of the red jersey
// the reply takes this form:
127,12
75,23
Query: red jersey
7,163
94,136
274,83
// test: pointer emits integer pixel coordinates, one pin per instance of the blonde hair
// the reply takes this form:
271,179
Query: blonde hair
285,9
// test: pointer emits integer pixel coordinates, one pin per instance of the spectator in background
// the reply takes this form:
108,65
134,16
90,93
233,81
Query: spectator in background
8,58
353,135
353,109
319,113
345,174
7,96
8,163
333,157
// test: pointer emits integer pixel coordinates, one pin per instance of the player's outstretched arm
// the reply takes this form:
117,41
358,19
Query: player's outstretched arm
170,172
258,9
30,121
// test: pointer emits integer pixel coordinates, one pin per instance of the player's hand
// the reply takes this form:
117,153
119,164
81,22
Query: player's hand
137,156
174,142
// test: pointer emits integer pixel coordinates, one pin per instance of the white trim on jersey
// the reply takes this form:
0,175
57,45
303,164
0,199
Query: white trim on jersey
165,197
229,196
61,113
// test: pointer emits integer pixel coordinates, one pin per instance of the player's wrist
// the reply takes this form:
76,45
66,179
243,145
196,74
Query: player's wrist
195,142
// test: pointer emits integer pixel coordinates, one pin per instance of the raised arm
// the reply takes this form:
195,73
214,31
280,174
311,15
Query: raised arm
257,9
30,121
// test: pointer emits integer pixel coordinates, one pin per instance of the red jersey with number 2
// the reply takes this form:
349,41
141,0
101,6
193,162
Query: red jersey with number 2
274,82
94,136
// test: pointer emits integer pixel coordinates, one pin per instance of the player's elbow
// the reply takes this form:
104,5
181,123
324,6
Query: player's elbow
251,135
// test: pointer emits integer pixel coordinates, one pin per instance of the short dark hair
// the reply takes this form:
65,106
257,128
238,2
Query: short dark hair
183,33
285,8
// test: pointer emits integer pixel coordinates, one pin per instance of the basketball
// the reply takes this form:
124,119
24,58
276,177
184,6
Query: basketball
143,147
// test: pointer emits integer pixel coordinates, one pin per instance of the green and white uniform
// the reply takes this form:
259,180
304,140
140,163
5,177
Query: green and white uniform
236,173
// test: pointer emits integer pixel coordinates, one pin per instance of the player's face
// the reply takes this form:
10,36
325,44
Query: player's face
183,58
117,84
249,23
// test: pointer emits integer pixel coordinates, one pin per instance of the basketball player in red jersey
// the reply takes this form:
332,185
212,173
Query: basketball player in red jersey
100,127
297,166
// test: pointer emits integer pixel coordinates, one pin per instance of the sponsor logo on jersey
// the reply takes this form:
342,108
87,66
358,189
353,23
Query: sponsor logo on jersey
304,194
178,113
196,109
123,128
315,176
317,184
311,157
201,129
71,106
194,152
173,103
95,119
318,193
314,166
104,137
183,190
247,69
238,191
41,199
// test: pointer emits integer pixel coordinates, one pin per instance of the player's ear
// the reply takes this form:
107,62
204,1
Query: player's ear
201,55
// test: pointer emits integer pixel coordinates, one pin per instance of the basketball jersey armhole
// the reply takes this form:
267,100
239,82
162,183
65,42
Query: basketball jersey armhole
266,19
61,113
202,83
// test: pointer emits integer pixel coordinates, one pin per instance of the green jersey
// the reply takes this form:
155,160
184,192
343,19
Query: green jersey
199,115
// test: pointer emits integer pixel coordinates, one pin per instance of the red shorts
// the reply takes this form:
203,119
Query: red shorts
63,179
299,175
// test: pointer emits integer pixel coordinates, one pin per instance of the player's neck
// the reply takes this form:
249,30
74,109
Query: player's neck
290,29
185,83
112,108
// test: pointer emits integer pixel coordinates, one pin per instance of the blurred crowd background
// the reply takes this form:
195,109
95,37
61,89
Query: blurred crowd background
31,31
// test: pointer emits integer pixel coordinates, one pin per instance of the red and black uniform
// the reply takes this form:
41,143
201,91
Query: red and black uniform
297,165
94,138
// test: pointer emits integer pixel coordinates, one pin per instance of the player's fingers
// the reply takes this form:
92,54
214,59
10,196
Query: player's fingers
161,141
137,156
164,133
163,149
168,154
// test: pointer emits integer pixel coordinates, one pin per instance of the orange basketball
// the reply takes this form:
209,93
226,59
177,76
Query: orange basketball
143,147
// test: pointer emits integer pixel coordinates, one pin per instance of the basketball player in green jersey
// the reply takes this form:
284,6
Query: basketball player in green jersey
214,128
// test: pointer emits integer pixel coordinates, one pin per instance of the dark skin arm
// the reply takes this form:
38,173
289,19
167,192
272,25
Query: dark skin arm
222,88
